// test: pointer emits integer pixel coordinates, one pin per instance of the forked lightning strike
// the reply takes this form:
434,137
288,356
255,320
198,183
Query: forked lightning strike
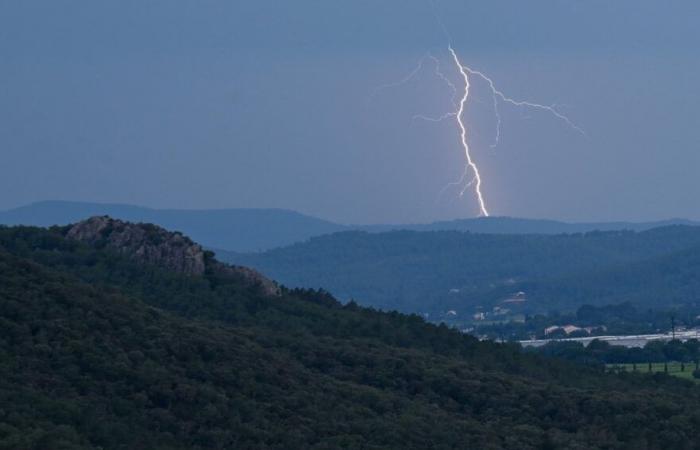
458,113
463,136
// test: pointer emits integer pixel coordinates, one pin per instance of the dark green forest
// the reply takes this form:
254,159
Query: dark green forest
100,351
434,272
601,352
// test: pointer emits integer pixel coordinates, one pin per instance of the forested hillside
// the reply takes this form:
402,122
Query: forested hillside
438,271
99,349
668,280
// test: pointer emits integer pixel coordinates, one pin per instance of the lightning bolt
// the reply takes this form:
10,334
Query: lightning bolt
459,107
463,136
458,113
498,96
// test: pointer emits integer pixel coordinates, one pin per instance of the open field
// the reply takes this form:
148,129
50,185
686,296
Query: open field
674,368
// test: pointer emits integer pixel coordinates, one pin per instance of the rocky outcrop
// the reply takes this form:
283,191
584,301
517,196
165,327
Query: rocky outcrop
146,243
245,274
150,244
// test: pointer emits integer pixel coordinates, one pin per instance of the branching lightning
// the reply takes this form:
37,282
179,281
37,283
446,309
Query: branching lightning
411,75
463,136
500,95
460,105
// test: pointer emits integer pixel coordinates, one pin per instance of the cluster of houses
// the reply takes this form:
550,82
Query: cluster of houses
515,299
495,312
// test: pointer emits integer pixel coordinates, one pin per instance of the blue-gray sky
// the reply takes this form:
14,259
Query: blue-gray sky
211,104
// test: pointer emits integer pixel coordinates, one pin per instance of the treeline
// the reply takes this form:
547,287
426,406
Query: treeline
602,352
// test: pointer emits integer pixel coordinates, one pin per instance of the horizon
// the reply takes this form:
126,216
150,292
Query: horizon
331,221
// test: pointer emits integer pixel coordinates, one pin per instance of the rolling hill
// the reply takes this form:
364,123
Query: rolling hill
434,272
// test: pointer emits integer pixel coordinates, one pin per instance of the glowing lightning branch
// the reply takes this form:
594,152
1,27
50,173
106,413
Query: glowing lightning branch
450,84
463,135
412,74
498,94
439,74
459,182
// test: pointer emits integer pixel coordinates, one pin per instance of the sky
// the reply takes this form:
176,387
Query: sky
271,104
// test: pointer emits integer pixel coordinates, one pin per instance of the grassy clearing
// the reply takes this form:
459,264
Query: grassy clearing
674,368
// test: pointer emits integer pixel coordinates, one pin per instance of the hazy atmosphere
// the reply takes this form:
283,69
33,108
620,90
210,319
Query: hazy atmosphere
223,104
349,224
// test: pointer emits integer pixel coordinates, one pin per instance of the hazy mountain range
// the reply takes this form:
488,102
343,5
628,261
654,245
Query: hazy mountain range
244,230
253,230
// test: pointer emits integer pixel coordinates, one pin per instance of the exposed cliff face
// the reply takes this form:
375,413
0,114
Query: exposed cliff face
150,244
146,243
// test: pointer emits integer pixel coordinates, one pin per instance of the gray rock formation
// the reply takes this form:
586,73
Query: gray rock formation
150,244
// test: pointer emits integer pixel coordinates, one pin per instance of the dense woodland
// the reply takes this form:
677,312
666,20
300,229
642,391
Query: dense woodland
434,272
602,353
98,351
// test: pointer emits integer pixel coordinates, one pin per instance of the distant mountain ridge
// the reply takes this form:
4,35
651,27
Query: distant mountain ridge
513,225
242,230
255,230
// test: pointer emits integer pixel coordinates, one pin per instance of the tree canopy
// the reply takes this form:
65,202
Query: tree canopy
98,351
